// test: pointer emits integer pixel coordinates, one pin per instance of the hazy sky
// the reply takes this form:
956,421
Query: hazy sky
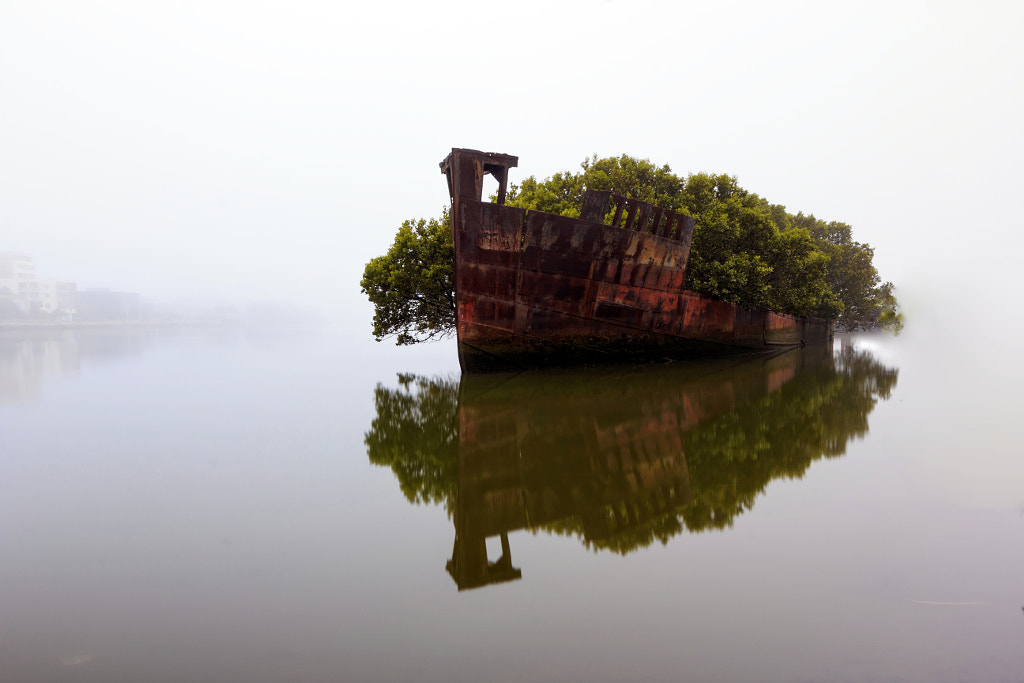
267,150
234,150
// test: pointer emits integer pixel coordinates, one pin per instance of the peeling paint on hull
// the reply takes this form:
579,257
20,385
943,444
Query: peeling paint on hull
534,289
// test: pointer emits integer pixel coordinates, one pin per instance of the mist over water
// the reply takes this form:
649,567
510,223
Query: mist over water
253,502
240,505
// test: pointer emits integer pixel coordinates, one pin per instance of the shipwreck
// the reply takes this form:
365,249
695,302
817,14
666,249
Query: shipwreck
534,289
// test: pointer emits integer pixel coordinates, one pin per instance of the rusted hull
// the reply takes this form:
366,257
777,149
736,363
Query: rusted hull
534,289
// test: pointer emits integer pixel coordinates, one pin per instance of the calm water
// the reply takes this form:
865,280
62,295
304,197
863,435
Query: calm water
241,506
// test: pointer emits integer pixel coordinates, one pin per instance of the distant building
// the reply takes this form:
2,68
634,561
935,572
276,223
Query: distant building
106,304
67,297
15,266
15,269
23,294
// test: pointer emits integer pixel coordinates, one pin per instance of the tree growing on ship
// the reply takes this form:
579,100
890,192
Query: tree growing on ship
745,250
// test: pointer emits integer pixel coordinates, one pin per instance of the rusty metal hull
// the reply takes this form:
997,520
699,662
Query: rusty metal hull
534,289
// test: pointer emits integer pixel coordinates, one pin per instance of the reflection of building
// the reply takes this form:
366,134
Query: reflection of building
26,360
21,292
30,355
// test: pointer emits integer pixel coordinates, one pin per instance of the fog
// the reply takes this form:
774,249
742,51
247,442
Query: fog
198,501
232,152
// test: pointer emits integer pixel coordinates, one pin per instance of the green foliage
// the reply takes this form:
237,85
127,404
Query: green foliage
868,302
560,194
637,178
745,250
412,287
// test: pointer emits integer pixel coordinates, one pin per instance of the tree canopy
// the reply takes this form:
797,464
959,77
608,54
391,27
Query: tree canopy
745,250
412,287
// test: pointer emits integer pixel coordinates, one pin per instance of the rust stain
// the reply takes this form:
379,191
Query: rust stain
535,289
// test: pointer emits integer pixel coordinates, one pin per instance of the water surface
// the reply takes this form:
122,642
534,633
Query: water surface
233,505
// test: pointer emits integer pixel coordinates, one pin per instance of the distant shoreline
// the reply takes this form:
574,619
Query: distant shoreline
82,324
8,327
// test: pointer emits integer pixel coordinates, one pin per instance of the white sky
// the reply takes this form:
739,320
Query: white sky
267,150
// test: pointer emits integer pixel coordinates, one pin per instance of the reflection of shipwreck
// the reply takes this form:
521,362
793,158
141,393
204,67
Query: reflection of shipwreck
535,289
617,457
603,451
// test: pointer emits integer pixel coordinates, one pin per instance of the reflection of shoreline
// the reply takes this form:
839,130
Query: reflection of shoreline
30,355
31,352
25,361
617,458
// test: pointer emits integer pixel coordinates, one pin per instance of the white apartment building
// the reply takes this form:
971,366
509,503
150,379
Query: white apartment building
20,288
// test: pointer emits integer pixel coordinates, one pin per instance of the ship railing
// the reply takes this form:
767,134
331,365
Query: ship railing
633,214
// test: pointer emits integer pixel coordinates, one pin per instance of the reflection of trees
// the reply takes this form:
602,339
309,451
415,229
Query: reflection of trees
620,458
415,433
733,457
